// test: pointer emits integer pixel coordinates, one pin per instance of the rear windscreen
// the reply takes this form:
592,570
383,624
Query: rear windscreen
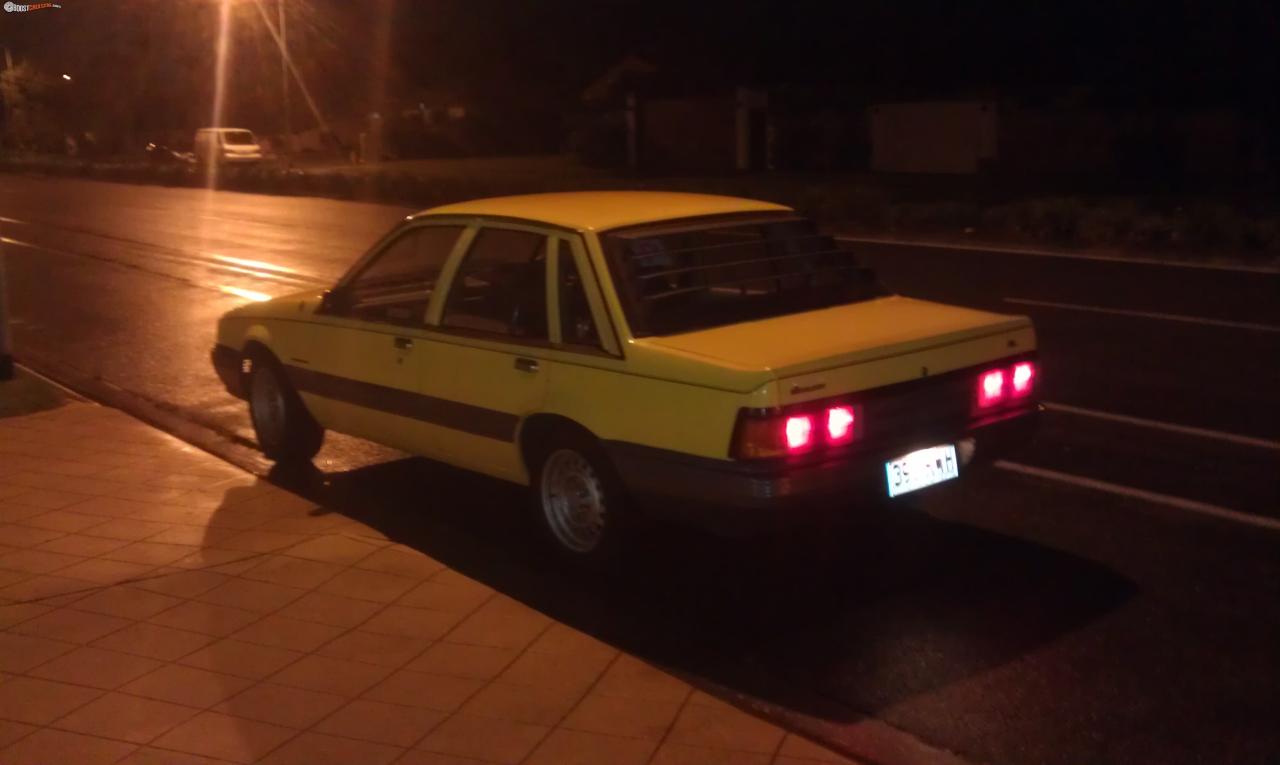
237,137
695,275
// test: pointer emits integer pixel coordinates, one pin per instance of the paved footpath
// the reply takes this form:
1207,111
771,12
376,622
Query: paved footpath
160,606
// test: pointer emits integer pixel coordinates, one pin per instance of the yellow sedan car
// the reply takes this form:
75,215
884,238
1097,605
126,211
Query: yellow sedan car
629,353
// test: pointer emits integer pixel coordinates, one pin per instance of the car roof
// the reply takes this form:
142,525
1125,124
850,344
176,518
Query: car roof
602,210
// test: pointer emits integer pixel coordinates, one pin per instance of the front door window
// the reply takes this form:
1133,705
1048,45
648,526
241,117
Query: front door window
501,286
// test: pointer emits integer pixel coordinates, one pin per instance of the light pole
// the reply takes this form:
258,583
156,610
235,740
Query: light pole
6,346
284,81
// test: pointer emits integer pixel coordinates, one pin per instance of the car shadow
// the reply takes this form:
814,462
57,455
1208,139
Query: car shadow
831,623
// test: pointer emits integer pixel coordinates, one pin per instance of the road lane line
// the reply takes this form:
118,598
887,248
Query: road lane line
1031,251
1147,315
1219,435
1189,505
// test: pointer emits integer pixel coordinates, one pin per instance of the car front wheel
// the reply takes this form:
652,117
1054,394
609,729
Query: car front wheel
286,431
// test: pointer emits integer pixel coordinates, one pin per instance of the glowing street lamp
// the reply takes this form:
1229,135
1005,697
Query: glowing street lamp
66,77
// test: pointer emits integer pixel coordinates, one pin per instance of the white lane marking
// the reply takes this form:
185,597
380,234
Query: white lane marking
1219,435
1189,505
7,240
13,220
1162,262
1147,315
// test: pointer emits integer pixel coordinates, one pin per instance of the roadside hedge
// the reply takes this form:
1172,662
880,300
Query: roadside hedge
1192,228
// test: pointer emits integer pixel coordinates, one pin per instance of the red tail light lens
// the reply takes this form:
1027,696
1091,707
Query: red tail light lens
991,387
840,424
798,432
1024,374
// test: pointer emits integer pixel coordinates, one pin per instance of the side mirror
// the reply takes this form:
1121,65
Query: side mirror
336,300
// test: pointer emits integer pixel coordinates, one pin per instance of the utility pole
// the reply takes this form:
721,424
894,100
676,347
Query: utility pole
284,81
6,346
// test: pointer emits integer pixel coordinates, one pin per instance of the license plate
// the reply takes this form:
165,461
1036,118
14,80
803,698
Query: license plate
921,468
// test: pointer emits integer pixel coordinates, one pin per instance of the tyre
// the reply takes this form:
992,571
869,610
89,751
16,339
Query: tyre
579,499
286,431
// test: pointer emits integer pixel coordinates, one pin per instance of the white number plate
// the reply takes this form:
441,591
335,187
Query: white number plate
922,468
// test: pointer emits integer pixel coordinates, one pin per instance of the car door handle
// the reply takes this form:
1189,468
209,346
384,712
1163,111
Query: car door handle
527,365
403,343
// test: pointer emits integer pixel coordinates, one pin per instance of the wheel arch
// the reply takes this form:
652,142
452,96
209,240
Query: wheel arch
537,428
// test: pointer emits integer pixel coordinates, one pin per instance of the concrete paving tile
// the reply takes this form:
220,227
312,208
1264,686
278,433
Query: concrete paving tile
570,747
293,572
236,657
131,718
209,557
100,571
154,553
307,524
126,602
125,528
423,757
320,749
96,667
260,541
79,544
335,610
43,587
476,661
181,583
260,597
402,562
206,618
148,756
559,670
671,753
542,704
19,653
37,561
724,727
629,676
62,520
25,536
154,641
71,625
419,689
12,731
392,724
448,591
496,741
321,673
623,716
16,613
17,513
57,746
501,623
339,549
374,648
799,749
234,739
40,702
564,640
47,499
368,585
283,632
197,534
412,622
188,686
110,507
281,705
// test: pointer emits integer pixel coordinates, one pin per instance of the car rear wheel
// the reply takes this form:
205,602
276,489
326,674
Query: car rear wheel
579,499
286,431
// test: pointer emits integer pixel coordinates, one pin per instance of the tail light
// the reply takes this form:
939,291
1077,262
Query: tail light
781,434
1024,375
1000,386
991,388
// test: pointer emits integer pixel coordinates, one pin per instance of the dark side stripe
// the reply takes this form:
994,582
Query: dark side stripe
476,420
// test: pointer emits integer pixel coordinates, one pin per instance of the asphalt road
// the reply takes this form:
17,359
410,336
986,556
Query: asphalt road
1111,595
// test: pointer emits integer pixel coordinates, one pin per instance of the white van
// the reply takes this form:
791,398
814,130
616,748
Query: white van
227,145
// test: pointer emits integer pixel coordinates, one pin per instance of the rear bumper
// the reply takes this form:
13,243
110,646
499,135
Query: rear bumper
727,493
227,363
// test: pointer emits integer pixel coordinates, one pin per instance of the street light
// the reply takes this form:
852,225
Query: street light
66,77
